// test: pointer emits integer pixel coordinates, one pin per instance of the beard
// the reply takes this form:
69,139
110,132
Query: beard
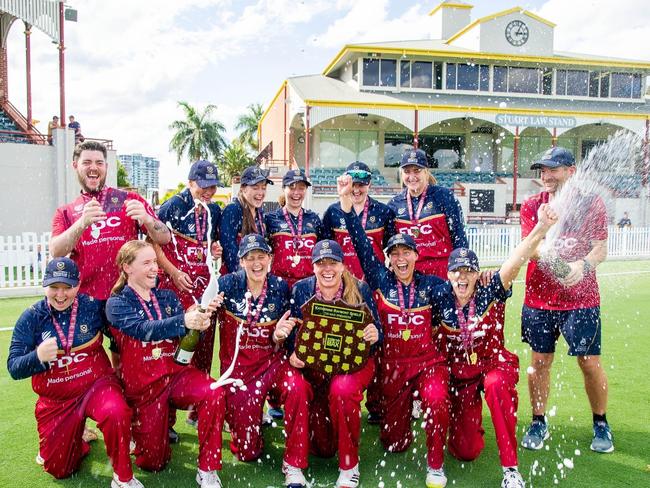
84,187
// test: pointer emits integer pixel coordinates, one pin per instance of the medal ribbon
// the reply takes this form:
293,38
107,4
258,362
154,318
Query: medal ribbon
465,334
251,320
364,219
409,204
260,228
338,295
156,305
296,231
66,342
405,308
200,229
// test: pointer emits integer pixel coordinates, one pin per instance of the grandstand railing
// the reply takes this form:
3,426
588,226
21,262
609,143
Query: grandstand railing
23,258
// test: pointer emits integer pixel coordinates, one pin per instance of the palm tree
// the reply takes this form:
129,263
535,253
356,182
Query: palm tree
198,136
248,123
233,161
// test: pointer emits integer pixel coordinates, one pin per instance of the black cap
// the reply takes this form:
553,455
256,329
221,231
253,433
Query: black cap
360,172
254,175
295,176
327,249
400,239
61,270
252,242
414,157
204,173
554,158
463,258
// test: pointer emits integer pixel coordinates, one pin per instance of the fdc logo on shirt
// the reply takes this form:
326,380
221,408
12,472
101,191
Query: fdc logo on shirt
301,243
424,229
398,319
96,228
64,361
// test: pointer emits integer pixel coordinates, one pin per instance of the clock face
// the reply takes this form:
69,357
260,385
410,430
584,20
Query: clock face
517,33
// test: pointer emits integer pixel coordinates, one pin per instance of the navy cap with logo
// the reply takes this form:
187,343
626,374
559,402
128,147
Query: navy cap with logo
360,172
254,175
204,173
327,249
554,158
61,270
295,176
463,258
253,242
400,239
414,157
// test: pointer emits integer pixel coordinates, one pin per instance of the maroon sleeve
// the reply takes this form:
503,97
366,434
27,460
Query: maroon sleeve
60,222
147,207
528,216
598,221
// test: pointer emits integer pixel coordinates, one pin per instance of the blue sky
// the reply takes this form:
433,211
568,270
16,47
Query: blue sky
129,62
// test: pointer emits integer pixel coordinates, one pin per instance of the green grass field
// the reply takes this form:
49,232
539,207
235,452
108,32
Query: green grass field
625,307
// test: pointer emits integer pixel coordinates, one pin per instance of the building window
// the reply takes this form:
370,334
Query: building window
523,80
626,85
379,72
577,83
340,147
471,77
500,79
421,74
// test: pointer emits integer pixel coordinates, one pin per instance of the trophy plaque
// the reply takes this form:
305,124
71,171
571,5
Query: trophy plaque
330,339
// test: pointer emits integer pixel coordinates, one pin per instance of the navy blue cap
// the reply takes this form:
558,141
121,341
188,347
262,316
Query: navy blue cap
400,239
414,157
254,175
463,258
295,176
204,173
253,242
61,270
360,172
554,158
327,249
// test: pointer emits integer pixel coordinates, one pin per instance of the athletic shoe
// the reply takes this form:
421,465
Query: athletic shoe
373,418
208,479
436,478
512,479
276,413
266,419
348,478
174,438
293,477
536,435
603,441
132,483
132,448
39,460
89,435
192,422
226,427
416,413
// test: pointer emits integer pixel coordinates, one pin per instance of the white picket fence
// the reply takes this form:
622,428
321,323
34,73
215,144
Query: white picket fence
23,258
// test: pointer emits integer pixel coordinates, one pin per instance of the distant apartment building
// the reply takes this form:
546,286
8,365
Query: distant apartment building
142,170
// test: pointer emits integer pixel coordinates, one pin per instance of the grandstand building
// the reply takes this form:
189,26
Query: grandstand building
482,97
143,171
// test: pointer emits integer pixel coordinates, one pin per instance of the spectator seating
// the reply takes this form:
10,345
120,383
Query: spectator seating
6,124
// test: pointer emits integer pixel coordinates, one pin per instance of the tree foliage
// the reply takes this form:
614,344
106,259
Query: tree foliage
170,193
233,161
122,176
248,124
198,135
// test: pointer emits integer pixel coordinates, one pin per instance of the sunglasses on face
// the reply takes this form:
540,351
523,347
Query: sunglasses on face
359,174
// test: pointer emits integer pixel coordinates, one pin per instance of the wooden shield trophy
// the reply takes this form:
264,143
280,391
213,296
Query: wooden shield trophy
330,339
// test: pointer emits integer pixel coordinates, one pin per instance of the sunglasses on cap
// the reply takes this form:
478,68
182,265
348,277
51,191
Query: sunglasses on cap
359,174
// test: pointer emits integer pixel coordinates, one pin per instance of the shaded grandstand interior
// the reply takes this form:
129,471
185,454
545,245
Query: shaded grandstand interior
10,132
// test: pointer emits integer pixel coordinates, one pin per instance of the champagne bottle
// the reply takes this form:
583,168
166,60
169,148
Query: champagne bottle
188,345
559,267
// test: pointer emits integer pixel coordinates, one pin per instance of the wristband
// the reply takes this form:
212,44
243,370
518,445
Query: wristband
586,267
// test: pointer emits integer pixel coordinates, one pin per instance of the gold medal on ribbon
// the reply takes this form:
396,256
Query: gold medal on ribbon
156,353
406,334
295,260
199,255
416,232
473,358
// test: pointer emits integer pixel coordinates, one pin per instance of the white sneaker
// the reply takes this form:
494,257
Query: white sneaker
436,478
348,478
512,479
226,427
208,479
293,476
416,413
132,483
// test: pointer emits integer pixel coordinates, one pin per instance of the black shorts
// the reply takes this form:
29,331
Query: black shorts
580,328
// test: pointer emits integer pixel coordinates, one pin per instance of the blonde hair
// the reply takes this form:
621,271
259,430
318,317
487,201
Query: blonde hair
126,255
351,293
248,220
282,200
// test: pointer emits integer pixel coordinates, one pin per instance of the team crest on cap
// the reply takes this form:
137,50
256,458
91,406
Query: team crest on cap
413,154
210,169
83,328
326,245
271,307
251,239
463,253
60,265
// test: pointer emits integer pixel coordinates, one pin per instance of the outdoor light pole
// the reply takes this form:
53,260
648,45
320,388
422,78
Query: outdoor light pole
28,73
645,174
61,64
515,168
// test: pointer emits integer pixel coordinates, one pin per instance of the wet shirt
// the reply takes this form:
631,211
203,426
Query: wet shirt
185,250
230,231
543,290
410,331
292,256
72,373
379,228
146,346
257,351
96,249
484,344
302,292
438,230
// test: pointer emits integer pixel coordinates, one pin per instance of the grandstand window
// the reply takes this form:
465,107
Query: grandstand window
626,85
395,144
500,79
379,72
524,80
560,82
340,147
577,83
416,74
471,77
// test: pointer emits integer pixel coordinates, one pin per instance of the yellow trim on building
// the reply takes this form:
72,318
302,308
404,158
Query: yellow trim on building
451,4
485,56
451,108
259,125
496,16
